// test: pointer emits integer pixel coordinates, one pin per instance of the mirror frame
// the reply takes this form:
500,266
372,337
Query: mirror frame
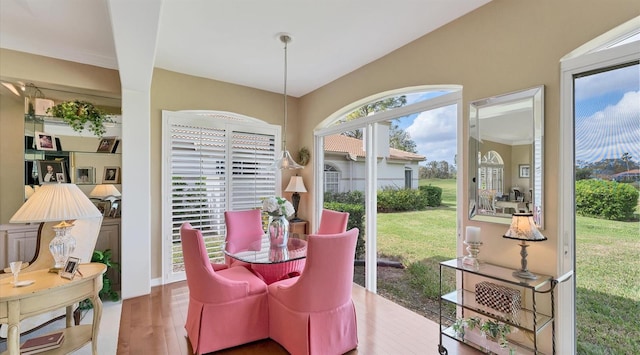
536,97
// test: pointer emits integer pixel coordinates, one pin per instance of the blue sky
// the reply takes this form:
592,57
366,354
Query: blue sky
607,119
608,115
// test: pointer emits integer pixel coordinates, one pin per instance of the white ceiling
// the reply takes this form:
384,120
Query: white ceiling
234,41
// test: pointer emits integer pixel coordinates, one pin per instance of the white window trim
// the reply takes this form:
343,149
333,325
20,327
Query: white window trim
234,122
369,124
579,61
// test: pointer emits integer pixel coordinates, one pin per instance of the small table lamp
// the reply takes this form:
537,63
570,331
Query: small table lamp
524,229
105,192
57,202
296,185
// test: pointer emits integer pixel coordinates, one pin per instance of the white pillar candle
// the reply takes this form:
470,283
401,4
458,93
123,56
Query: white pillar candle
473,234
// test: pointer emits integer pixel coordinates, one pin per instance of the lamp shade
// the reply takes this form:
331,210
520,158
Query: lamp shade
56,202
296,185
524,228
103,191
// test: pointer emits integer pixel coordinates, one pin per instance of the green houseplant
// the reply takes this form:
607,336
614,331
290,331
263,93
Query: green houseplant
107,292
78,114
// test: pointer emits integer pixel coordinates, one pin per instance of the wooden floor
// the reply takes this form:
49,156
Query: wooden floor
154,324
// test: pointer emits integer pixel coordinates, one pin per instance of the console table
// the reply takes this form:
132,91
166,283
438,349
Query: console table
49,292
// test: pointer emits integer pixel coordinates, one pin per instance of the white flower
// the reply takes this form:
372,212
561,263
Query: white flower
277,206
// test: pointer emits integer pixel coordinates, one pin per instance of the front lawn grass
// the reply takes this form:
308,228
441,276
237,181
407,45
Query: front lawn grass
607,272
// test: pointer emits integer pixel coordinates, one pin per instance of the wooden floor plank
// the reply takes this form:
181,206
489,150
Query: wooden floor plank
156,322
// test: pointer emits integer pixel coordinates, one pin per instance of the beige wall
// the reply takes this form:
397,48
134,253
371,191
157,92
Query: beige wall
501,47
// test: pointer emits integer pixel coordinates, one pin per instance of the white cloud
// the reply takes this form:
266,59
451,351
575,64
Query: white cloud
609,133
434,133
619,80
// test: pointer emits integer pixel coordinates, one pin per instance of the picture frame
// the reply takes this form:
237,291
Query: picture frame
524,170
106,144
104,207
45,141
51,171
115,209
84,175
70,268
111,175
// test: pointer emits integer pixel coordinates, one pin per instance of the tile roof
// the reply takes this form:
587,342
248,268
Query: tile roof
338,143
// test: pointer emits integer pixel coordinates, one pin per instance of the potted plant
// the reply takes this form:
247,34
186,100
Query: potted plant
81,115
107,291
496,331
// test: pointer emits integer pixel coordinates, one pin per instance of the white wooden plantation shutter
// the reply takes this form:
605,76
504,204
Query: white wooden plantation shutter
213,163
252,179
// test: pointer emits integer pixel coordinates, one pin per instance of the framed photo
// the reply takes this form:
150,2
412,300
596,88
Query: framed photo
51,171
70,268
115,209
524,171
45,141
106,144
111,174
84,175
104,207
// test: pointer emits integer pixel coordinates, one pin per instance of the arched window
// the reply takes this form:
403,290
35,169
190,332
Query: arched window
491,172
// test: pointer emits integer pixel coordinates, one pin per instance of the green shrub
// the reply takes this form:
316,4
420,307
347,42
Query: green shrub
606,199
433,195
392,199
356,220
353,197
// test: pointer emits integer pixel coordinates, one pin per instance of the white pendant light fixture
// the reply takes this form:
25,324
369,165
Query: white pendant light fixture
285,161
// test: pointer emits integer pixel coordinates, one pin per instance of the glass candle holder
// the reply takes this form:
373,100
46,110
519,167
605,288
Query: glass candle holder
471,260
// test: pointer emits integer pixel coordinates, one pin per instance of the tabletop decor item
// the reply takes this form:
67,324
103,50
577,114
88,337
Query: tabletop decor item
58,202
473,243
523,228
279,209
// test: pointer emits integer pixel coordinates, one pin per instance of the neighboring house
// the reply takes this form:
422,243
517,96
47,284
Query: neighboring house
631,175
344,165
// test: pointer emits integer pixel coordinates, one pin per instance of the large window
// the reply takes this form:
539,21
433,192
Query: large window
213,163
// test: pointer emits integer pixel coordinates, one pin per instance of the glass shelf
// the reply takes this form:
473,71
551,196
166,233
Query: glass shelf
500,273
524,320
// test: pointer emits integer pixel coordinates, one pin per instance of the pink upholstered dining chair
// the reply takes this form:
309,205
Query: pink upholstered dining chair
333,222
314,313
227,307
244,232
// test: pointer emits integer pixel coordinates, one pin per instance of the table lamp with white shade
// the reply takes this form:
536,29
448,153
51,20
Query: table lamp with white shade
296,185
524,229
105,192
57,202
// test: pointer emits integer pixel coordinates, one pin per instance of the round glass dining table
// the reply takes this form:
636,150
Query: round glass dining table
275,263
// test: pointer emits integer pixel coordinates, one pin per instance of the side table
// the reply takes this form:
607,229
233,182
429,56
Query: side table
298,229
50,291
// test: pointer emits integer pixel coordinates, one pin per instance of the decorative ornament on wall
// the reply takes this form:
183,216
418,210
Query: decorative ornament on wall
303,156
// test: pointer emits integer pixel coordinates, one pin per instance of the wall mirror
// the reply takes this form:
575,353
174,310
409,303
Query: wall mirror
506,143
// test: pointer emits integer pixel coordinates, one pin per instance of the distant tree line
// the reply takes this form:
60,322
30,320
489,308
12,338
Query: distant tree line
437,170
605,168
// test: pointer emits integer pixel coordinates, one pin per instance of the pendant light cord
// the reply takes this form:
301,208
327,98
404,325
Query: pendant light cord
285,39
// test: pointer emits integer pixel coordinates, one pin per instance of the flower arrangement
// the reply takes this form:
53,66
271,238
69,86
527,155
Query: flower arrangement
277,206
